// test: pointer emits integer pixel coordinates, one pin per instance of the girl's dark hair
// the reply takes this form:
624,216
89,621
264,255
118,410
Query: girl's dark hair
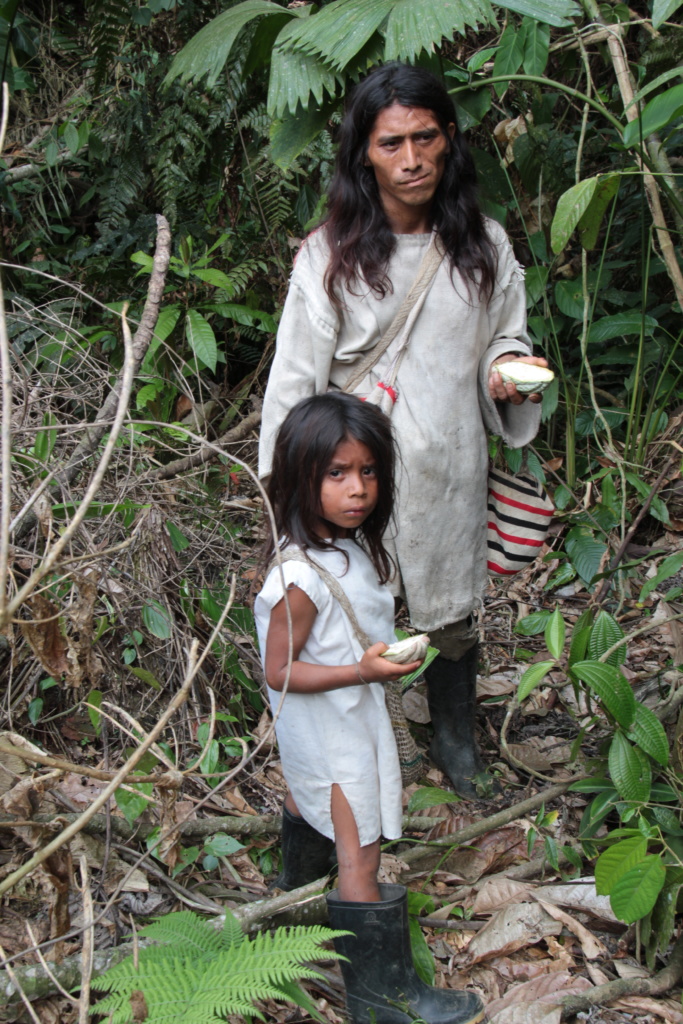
360,238
304,448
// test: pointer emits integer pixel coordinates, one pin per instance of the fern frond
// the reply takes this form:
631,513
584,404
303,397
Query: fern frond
200,974
108,19
192,934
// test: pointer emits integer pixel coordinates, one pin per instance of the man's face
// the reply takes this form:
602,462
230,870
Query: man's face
407,151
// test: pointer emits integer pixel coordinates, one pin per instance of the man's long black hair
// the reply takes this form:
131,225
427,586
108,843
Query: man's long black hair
360,238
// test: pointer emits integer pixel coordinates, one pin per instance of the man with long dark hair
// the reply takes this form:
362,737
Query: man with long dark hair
404,179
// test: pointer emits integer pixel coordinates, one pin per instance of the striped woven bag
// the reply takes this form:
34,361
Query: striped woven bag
519,514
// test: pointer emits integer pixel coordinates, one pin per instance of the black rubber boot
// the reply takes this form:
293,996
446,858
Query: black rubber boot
452,697
306,854
382,985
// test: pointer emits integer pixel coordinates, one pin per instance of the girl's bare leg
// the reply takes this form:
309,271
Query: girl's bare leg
291,806
358,865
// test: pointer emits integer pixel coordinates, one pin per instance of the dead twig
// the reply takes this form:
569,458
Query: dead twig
53,554
602,994
17,984
73,829
480,828
88,944
204,455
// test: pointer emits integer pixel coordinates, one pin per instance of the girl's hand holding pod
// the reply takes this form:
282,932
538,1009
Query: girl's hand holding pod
378,664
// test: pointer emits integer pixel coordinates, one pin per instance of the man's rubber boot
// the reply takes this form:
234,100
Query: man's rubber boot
306,854
452,698
382,985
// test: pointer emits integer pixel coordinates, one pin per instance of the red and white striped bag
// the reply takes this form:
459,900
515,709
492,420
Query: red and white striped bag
519,514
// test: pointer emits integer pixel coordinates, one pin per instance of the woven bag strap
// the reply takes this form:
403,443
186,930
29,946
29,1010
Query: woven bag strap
333,586
414,300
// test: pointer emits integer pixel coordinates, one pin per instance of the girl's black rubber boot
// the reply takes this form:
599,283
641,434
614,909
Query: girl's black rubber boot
306,854
382,985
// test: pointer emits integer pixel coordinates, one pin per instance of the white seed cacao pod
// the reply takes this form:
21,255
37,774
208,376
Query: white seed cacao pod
527,378
413,648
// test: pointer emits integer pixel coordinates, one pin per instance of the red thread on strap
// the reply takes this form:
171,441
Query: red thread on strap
393,395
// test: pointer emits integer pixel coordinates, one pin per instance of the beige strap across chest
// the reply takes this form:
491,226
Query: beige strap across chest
402,324
333,585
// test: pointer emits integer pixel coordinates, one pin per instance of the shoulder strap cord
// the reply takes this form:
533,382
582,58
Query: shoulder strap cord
405,317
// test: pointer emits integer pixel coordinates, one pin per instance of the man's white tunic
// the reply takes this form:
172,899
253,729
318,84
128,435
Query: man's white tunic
442,413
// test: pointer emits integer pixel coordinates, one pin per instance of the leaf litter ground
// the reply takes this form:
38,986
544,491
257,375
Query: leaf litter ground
496,916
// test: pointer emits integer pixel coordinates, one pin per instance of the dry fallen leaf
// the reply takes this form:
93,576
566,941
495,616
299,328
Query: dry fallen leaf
497,685
497,893
578,895
512,928
415,707
532,1002
668,1009
591,946
541,752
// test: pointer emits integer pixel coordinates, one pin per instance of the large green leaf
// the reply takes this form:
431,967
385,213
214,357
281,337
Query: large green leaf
207,52
534,675
663,9
201,338
589,225
610,686
156,619
430,796
296,76
585,552
619,325
341,30
658,113
630,769
421,953
555,633
616,861
290,136
417,25
571,207
553,12
536,46
635,893
605,633
669,567
580,636
509,55
648,732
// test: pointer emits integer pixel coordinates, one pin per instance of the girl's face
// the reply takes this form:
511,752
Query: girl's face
348,494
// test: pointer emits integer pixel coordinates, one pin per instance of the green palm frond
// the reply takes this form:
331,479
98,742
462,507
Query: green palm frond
207,52
361,19
296,76
558,13
201,975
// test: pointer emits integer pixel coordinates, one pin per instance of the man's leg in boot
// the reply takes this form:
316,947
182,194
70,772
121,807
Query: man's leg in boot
452,696
306,854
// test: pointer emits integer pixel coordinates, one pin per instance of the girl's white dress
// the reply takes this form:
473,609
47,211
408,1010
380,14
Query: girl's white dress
342,736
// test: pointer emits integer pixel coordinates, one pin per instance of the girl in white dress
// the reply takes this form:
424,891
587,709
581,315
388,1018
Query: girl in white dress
332,489
332,492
